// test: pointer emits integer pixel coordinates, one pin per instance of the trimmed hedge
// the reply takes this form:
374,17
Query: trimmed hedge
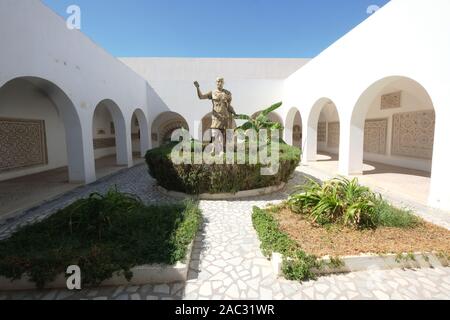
217,178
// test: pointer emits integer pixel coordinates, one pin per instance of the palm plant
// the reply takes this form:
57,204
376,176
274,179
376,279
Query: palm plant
261,121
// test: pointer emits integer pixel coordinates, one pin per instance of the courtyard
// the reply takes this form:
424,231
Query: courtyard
227,262
91,138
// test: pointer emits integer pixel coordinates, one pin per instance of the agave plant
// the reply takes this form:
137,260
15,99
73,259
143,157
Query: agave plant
338,200
261,121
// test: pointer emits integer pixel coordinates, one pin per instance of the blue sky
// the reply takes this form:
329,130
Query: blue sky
212,28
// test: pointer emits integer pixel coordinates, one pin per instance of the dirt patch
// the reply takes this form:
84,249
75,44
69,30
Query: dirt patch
343,241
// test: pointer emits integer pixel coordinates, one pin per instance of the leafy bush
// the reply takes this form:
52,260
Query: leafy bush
389,216
297,265
217,178
102,234
347,202
261,121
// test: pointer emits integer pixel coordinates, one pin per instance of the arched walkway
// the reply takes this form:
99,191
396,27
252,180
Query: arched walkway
164,125
392,130
140,134
294,128
110,137
322,132
41,143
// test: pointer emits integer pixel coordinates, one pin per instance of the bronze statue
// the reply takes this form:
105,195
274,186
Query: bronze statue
223,112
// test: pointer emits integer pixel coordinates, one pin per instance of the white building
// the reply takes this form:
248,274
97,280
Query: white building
380,94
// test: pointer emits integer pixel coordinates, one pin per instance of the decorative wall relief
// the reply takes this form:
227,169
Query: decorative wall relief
136,136
375,136
391,101
322,132
333,134
104,143
413,134
22,144
297,134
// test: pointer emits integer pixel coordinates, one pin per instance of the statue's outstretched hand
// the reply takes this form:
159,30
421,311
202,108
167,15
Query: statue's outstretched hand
196,84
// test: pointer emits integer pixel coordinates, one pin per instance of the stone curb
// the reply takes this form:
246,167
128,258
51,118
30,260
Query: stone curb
223,196
146,274
370,262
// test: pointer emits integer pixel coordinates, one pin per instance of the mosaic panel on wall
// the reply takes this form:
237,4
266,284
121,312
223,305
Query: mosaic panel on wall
322,132
391,101
375,136
297,135
413,134
22,144
333,134
104,143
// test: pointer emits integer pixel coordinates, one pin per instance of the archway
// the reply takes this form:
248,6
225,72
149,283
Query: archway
140,134
392,131
41,147
323,133
110,138
164,125
294,128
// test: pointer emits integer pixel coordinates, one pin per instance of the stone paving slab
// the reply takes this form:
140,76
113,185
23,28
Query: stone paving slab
227,262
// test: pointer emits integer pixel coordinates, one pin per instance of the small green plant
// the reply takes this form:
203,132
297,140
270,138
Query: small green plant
297,265
337,200
405,257
346,202
336,262
261,121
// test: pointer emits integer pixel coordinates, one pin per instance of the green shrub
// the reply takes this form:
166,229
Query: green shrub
347,202
389,216
217,178
297,265
102,234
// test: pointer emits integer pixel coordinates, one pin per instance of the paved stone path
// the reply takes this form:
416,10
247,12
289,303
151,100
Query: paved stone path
227,262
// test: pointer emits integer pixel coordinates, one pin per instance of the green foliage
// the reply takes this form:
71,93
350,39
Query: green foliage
103,234
347,202
297,265
217,178
261,121
389,216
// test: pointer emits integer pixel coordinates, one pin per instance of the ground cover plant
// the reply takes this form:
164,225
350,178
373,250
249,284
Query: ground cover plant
102,234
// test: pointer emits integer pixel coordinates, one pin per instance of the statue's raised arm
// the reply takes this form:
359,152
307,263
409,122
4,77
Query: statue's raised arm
199,92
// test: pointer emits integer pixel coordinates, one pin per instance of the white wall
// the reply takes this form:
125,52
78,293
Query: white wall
254,83
36,43
406,38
